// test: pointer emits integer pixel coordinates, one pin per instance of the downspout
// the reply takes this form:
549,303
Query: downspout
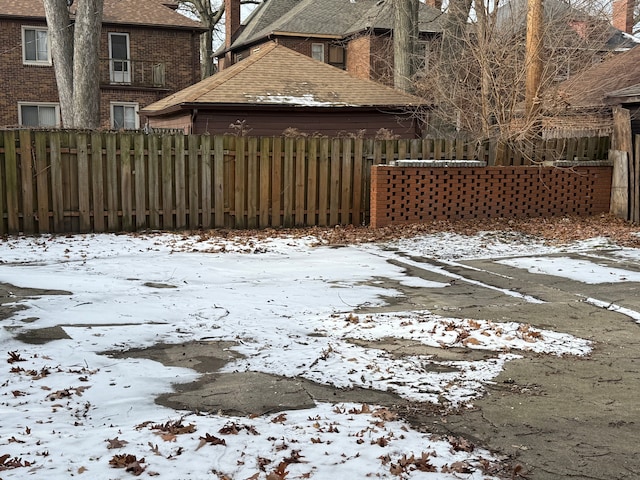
194,115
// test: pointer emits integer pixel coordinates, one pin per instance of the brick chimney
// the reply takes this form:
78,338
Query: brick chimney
623,15
232,20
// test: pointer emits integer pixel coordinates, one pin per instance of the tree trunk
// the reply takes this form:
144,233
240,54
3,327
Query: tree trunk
60,38
86,64
405,26
75,50
206,54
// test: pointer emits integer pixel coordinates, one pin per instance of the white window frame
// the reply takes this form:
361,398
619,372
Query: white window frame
120,76
113,105
314,55
40,104
25,61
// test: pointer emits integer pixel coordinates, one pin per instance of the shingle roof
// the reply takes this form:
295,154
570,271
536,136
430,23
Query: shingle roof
277,75
337,18
590,87
130,12
513,14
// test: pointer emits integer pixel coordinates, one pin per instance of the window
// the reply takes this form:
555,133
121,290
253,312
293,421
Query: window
39,114
317,51
124,116
35,48
336,56
119,60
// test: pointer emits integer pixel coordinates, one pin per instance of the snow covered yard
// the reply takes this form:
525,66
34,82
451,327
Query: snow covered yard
291,305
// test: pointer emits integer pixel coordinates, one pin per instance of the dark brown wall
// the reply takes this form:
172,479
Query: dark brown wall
330,121
412,194
179,49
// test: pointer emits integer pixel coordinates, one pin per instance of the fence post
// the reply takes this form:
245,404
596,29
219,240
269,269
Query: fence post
620,184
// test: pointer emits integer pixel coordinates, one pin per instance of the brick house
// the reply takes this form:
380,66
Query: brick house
355,36
148,51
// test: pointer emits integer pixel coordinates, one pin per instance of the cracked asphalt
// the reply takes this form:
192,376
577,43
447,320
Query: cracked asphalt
555,417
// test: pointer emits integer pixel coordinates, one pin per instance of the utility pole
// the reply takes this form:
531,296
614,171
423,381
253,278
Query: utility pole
405,33
534,52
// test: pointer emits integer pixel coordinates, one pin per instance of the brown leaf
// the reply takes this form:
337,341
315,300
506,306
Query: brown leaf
81,470
15,357
210,439
280,418
280,472
115,443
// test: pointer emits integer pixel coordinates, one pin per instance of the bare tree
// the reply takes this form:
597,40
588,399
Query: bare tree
75,43
478,82
210,14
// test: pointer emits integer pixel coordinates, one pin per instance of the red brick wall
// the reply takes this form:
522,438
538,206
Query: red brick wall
179,49
358,57
415,194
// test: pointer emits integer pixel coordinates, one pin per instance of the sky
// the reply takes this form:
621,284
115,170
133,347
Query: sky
290,304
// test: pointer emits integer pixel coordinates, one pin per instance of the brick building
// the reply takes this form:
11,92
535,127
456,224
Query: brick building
148,52
355,36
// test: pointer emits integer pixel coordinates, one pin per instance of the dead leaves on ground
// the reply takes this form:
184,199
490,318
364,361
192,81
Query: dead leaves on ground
129,462
8,463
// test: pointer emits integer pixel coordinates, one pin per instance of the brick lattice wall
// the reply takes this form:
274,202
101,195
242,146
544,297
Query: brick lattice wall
415,194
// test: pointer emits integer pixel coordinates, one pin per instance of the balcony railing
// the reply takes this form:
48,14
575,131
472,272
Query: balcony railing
135,73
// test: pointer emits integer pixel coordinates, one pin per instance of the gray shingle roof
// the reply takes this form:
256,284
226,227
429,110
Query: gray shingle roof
277,75
337,18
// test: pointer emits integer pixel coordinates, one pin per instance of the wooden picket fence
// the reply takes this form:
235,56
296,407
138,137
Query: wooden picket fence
81,181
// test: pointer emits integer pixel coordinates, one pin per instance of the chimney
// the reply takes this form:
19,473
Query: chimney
623,15
232,20
434,3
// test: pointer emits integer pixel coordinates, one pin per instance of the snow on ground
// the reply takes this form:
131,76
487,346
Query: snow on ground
289,303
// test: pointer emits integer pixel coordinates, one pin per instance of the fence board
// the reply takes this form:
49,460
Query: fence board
97,183
356,212
345,184
11,181
300,181
312,182
26,174
153,178
265,183
324,165
140,179
180,183
68,144
84,182
42,182
168,221
252,182
206,185
334,190
239,189
218,181
402,149
288,189
57,186
194,184
126,182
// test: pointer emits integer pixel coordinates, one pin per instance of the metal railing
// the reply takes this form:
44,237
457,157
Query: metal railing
136,73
